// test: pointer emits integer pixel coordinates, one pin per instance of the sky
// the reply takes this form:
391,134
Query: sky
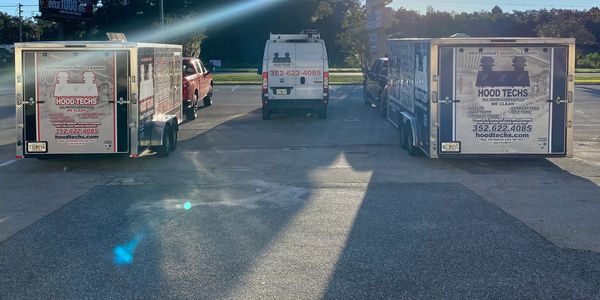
31,6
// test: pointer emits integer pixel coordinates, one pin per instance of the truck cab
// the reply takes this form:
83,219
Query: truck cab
374,84
295,74
197,86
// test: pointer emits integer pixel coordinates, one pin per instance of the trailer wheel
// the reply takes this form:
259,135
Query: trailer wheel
266,114
403,136
164,149
174,140
412,149
192,113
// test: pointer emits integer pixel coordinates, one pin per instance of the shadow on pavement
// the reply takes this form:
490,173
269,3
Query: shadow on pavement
295,211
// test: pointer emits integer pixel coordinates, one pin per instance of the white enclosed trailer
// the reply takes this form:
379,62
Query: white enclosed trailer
482,96
97,98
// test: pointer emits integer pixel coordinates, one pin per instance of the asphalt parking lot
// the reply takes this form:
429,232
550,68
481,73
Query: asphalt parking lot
298,207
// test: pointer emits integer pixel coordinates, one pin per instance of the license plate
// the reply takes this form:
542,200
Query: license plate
451,147
37,147
281,91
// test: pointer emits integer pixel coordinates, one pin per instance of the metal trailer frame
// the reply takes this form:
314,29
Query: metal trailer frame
133,104
436,43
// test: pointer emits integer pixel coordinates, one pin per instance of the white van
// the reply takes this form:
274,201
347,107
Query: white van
295,74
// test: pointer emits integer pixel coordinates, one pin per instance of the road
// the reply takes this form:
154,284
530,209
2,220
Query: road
298,207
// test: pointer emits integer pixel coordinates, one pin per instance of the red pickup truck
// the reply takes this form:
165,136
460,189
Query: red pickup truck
197,85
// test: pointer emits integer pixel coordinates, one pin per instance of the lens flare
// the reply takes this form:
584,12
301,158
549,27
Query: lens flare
209,18
187,205
123,254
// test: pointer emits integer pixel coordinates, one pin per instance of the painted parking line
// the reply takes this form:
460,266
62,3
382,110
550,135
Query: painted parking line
235,88
6,163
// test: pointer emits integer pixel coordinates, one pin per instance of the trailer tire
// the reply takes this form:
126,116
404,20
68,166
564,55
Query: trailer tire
191,113
403,136
266,114
174,140
164,149
412,149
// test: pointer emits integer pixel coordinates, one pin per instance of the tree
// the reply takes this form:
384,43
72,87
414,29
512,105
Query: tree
566,26
354,38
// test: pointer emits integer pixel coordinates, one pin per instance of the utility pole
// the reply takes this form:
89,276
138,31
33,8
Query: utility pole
20,22
162,13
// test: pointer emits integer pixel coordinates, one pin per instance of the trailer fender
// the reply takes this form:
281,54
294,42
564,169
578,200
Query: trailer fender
406,118
158,129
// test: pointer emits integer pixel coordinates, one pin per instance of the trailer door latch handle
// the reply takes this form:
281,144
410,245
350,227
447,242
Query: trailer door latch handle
447,100
31,101
121,101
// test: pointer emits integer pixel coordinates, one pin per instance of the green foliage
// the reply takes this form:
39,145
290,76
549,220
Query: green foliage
9,29
354,38
590,60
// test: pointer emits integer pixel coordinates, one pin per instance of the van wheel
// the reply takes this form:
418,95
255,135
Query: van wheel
266,114
412,150
165,148
323,113
192,113
404,136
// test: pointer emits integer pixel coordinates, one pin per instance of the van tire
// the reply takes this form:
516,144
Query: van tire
403,136
323,113
191,113
412,150
164,149
266,114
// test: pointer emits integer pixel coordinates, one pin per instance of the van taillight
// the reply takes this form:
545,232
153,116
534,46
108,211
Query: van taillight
326,84
265,84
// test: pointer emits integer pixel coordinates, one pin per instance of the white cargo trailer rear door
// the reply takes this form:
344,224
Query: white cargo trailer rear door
77,101
502,100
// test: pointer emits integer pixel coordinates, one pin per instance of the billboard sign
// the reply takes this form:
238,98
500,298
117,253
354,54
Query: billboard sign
66,9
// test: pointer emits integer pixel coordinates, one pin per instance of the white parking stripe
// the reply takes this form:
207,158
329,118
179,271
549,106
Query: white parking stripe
6,163
235,88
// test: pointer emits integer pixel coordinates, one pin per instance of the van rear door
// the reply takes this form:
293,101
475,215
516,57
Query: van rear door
76,101
310,63
282,69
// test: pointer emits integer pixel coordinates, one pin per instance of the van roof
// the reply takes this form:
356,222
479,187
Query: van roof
306,37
